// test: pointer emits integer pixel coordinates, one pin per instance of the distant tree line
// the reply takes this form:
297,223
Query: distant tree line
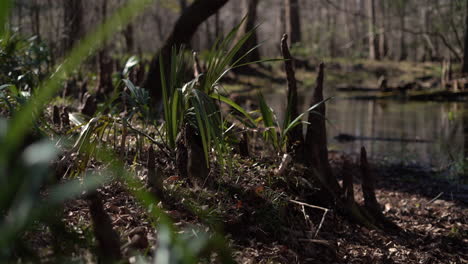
417,30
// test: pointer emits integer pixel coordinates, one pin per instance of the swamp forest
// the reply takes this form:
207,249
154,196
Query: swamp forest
234,131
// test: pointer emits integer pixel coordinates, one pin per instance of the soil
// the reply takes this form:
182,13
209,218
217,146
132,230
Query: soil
263,226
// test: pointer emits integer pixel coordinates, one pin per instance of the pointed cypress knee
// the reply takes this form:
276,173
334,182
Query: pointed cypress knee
56,116
348,183
368,185
316,149
107,238
197,165
244,145
295,137
370,201
154,179
181,154
64,119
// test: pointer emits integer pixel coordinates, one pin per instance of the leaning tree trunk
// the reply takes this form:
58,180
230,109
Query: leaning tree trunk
181,34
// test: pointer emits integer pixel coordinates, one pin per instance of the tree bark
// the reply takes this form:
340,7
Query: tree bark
293,21
181,34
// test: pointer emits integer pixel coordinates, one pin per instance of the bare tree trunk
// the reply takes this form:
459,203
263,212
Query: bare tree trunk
373,55
20,15
465,51
293,21
347,26
181,34
331,28
383,46
73,23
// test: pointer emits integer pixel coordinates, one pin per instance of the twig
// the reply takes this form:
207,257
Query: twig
315,207
435,198
309,205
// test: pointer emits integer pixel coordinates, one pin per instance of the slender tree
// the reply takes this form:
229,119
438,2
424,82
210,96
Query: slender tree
292,21
73,23
373,55
402,18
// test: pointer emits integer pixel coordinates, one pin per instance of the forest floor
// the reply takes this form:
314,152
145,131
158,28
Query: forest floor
263,226
256,210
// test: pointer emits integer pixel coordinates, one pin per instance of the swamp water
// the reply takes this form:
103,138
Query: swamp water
432,136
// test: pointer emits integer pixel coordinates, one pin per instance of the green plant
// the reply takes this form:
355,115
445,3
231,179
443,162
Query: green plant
275,133
21,178
24,167
23,62
197,101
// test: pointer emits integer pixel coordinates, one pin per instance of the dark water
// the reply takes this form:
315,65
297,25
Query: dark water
430,135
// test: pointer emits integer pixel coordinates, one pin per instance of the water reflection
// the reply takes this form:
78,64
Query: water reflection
433,135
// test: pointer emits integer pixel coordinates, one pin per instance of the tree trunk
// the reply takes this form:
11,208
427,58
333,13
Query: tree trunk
106,64
373,55
383,46
465,52
181,34
35,18
73,23
403,52
218,26
293,21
